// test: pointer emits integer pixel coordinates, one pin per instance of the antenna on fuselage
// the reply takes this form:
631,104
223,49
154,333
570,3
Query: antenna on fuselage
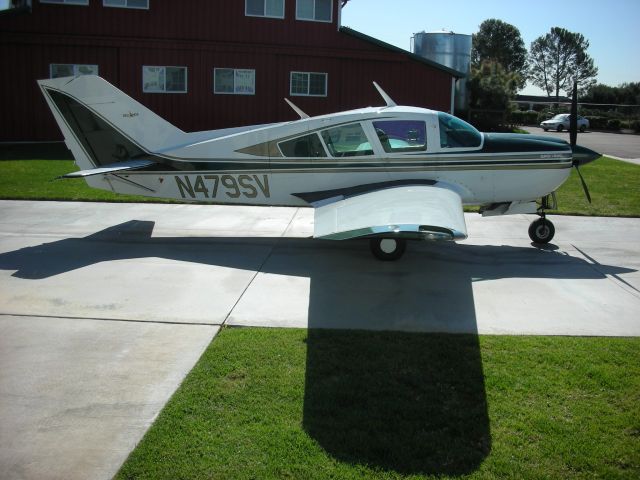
385,97
296,109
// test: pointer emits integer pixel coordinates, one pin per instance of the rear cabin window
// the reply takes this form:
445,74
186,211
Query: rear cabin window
402,135
347,141
456,133
307,146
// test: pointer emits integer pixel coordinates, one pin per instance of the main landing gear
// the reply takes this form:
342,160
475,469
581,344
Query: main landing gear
541,231
387,249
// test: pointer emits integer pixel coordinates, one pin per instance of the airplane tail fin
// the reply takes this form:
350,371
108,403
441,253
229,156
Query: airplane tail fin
103,126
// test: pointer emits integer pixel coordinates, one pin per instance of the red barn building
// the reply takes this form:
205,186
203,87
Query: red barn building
205,64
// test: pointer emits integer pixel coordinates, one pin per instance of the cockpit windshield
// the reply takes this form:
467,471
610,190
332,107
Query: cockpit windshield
456,133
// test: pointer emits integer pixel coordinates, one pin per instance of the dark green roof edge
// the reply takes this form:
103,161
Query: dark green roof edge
393,48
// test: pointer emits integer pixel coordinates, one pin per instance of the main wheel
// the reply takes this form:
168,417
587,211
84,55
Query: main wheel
560,128
541,231
583,128
387,249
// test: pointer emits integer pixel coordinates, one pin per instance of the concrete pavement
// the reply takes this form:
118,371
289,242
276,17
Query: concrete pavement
76,396
105,307
199,264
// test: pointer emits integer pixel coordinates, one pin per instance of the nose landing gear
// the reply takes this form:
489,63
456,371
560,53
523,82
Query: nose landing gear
541,231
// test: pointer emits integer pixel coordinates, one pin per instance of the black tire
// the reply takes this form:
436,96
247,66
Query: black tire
583,128
541,231
546,129
560,128
387,249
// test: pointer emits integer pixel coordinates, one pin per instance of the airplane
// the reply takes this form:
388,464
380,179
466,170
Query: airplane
388,174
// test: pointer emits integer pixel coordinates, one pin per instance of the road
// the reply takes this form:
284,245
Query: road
104,308
617,145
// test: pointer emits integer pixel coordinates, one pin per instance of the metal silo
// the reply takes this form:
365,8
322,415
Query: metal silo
452,50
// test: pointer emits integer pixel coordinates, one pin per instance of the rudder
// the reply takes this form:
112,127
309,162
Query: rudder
102,125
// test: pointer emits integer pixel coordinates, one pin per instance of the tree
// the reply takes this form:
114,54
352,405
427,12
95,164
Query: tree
498,41
627,94
491,87
491,90
557,59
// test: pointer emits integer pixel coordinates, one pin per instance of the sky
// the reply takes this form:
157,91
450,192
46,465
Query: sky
611,26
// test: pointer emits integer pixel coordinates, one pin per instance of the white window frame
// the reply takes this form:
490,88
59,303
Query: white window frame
234,81
126,5
76,67
314,13
186,79
81,3
308,74
284,8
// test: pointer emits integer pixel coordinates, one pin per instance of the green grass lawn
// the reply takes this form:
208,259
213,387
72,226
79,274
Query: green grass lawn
287,403
37,180
614,186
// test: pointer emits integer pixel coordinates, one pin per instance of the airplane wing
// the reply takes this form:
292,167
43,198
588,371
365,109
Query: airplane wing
410,211
111,168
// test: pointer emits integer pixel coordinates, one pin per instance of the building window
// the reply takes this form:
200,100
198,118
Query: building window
164,79
308,84
67,2
314,10
264,8
234,81
6,5
142,4
57,70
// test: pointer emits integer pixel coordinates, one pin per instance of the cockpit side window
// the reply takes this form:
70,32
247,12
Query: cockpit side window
306,146
402,135
456,133
347,141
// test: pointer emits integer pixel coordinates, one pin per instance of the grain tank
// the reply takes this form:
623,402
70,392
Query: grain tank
452,50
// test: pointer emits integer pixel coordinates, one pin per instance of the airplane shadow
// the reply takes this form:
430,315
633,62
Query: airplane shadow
381,388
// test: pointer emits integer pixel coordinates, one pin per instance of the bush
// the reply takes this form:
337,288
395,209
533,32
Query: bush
490,120
598,123
520,117
635,125
517,117
614,124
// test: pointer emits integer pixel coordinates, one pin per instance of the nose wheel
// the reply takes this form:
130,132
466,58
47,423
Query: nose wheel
541,231
387,249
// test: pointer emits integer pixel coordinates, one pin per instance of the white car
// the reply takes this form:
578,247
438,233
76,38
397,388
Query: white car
562,122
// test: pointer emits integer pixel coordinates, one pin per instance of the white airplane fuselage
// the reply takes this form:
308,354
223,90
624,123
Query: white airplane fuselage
215,171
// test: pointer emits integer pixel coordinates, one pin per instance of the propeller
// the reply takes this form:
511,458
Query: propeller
579,153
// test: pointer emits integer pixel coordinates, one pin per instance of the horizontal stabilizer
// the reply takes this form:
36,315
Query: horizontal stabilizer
111,168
